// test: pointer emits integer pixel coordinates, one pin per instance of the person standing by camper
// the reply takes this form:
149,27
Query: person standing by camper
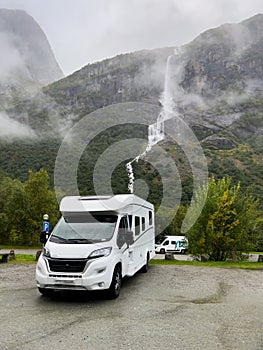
45,229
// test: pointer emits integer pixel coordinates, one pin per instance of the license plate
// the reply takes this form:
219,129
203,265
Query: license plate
64,281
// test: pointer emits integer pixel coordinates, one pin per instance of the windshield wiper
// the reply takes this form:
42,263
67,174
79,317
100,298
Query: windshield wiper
79,240
60,238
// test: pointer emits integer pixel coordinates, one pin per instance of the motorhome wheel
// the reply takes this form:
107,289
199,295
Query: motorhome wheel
145,267
115,286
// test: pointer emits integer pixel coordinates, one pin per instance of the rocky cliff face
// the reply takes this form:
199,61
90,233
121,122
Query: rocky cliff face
228,58
211,76
220,63
26,61
131,77
26,64
25,51
216,80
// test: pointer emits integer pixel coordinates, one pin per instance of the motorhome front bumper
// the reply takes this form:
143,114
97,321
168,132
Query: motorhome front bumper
96,275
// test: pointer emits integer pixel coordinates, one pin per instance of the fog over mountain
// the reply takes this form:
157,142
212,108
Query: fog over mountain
27,63
215,82
13,129
25,52
223,63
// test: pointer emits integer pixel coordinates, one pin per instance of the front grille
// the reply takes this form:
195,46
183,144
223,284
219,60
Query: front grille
67,265
64,276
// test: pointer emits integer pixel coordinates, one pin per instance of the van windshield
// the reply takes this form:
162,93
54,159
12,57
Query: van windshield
84,230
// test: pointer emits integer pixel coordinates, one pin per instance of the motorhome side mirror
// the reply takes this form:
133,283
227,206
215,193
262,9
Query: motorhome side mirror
43,238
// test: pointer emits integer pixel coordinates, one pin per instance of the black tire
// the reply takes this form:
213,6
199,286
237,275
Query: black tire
145,267
182,251
162,251
45,292
115,287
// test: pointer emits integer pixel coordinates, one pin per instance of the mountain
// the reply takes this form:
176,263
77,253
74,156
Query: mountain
137,76
228,58
27,61
216,82
221,61
25,50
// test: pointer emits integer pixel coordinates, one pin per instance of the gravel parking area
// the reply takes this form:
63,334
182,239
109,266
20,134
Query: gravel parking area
174,307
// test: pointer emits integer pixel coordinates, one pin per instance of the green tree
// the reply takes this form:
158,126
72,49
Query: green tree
16,212
226,226
5,192
22,207
12,210
259,230
40,200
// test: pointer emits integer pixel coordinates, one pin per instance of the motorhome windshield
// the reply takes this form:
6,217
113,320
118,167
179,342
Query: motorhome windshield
84,229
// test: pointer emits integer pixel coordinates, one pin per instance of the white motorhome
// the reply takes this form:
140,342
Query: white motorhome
173,244
97,241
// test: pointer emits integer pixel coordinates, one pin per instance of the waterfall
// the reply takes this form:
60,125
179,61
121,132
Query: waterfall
167,95
156,130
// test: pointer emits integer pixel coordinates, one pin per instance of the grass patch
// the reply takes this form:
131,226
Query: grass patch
23,259
222,264
14,247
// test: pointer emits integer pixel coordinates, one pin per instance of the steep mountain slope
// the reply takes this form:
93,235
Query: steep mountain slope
25,51
26,61
216,82
225,60
137,76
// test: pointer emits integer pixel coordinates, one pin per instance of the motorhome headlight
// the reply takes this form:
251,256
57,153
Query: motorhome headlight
46,252
100,252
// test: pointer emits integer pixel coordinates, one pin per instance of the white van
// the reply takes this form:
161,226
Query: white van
175,244
97,241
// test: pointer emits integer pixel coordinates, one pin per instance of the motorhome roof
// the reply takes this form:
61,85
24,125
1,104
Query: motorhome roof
116,203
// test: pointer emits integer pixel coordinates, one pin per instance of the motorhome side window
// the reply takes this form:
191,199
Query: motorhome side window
130,221
137,225
150,218
143,224
123,227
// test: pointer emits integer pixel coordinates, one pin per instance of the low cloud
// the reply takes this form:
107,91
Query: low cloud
13,129
11,61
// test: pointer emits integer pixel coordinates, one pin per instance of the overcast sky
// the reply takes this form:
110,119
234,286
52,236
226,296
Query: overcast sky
85,31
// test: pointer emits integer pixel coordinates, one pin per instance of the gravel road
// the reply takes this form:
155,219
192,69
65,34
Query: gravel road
170,307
